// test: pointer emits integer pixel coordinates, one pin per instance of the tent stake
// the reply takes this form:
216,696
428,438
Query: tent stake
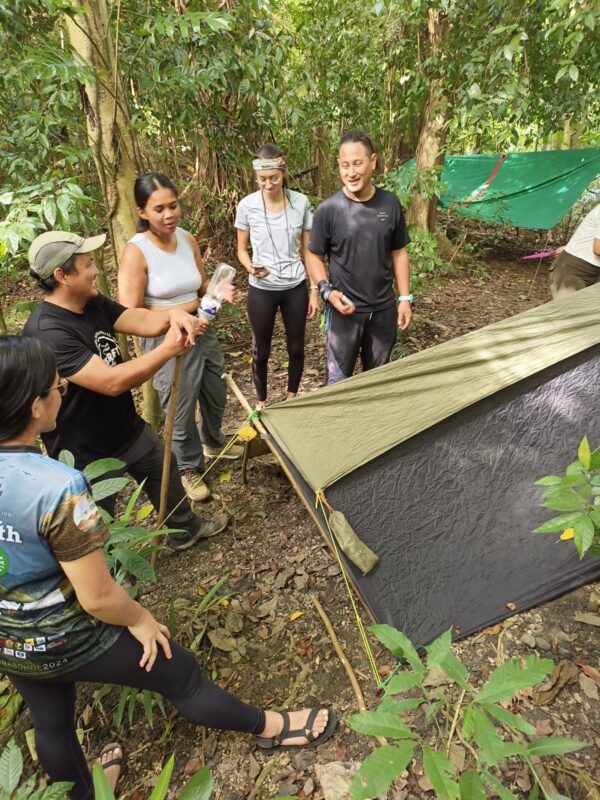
262,430
169,425
360,700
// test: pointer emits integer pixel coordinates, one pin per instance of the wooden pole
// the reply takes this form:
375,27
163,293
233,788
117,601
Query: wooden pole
311,511
169,425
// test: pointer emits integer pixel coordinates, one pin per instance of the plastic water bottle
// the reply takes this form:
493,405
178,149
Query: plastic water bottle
211,302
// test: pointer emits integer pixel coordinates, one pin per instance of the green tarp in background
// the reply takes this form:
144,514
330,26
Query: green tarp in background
529,190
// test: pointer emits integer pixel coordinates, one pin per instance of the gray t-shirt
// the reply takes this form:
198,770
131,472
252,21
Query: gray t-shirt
275,238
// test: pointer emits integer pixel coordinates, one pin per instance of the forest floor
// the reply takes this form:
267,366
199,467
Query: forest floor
272,559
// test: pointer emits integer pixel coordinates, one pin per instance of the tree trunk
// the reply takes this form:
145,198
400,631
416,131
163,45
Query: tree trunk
432,135
114,143
322,176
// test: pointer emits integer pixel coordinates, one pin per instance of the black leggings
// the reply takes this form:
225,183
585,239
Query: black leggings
179,679
262,308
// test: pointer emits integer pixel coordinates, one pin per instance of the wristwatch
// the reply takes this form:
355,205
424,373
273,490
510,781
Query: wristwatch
408,297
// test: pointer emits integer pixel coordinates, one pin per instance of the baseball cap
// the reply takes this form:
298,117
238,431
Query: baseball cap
51,249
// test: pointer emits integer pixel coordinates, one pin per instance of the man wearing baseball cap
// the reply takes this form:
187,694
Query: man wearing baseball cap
97,418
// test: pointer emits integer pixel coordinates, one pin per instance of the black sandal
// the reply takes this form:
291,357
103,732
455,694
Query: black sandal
270,744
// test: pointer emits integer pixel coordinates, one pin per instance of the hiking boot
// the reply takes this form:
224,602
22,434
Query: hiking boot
194,486
235,451
206,527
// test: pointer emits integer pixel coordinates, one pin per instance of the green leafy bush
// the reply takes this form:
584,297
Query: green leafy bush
11,770
577,495
475,718
199,786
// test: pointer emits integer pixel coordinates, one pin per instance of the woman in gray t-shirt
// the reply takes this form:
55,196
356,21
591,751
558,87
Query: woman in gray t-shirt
275,222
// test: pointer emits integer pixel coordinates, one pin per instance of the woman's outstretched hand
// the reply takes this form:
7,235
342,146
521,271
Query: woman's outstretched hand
150,634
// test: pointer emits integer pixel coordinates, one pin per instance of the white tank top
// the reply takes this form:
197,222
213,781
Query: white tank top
173,278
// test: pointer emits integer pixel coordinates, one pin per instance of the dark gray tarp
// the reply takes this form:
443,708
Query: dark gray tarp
451,510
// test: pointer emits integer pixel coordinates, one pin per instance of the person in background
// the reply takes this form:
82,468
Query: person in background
361,231
65,618
275,222
161,268
578,262
98,417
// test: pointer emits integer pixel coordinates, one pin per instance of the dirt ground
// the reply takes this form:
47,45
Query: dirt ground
267,643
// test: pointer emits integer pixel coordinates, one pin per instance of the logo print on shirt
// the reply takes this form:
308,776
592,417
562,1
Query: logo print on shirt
107,347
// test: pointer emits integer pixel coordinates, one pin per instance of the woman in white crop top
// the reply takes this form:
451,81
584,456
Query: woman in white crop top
162,267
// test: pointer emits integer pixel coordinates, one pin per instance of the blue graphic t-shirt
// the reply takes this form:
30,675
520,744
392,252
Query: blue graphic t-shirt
47,515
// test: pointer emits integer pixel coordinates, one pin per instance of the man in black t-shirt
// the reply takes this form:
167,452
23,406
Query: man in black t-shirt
97,418
361,230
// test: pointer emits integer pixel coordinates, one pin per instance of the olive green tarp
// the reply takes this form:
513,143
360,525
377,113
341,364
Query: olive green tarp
331,432
526,190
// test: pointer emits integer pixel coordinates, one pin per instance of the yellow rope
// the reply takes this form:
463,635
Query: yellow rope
363,634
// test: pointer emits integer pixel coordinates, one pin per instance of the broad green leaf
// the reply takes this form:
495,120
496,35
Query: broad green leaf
399,644
102,790
58,791
455,669
25,790
440,771
108,487
559,523
402,682
66,457
583,534
135,564
100,467
511,677
381,723
493,747
398,706
11,767
513,721
439,649
584,453
595,459
471,786
199,786
553,746
549,480
500,789
379,769
468,726
162,784
563,499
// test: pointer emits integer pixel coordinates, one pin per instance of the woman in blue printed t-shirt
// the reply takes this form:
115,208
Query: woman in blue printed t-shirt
275,222
63,618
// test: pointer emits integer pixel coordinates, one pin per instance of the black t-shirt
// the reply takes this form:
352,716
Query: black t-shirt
89,424
358,238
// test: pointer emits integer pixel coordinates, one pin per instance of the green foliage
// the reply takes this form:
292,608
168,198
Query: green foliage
577,493
491,732
198,787
11,770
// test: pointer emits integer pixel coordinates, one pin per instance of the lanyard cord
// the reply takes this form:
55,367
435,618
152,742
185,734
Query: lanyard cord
287,233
